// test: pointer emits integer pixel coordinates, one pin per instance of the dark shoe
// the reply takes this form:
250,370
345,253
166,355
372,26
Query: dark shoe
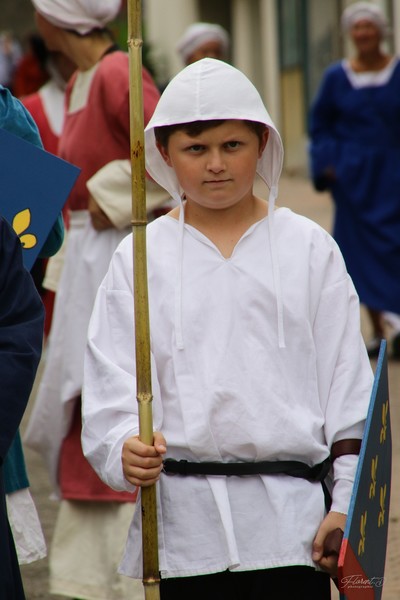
373,347
396,347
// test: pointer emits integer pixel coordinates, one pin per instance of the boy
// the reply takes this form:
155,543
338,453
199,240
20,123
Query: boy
257,358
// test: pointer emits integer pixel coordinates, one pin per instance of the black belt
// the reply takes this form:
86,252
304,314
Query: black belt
293,468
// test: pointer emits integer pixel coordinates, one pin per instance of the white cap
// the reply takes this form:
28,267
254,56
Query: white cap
201,33
79,15
360,11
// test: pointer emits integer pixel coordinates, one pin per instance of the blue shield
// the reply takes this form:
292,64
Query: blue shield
361,564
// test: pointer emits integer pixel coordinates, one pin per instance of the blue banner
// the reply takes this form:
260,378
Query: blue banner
34,186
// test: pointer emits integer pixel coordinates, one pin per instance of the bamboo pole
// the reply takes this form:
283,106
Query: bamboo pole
142,330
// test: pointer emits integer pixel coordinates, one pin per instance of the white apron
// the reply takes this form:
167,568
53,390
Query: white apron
87,257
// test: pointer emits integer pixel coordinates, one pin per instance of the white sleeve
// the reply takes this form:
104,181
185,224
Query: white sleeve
345,375
344,370
109,405
25,526
344,470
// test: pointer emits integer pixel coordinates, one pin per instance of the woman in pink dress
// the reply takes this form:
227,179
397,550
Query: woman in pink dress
92,520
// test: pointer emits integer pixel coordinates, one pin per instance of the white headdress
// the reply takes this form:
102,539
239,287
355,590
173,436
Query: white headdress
201,33
79,15
368,11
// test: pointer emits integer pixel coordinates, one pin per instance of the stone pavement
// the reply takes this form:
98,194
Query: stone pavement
297,194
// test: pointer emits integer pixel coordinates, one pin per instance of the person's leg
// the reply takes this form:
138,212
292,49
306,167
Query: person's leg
377,332
393,320
286,583
299,583
202,587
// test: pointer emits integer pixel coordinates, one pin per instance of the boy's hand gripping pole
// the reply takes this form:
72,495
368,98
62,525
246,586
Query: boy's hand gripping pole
142,330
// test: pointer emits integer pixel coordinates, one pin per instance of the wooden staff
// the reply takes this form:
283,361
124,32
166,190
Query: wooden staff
142,330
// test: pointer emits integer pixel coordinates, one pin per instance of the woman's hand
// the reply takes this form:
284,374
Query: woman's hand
99,219
326,554
142,464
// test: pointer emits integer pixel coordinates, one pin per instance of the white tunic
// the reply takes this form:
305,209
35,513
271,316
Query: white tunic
231,394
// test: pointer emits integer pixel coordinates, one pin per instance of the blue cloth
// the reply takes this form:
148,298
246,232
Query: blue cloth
357,133
15,118
15,475
21,334
21,338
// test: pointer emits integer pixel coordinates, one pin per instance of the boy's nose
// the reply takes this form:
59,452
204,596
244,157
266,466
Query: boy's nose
215,161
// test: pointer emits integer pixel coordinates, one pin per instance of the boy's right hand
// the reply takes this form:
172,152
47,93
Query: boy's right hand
142,464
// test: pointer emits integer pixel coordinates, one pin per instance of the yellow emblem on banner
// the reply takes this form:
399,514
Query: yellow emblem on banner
374,469
382,511
363,525
20,223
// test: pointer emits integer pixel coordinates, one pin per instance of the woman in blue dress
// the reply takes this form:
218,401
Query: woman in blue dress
355,153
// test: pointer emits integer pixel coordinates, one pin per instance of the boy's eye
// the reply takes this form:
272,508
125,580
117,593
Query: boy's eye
195,148
232,145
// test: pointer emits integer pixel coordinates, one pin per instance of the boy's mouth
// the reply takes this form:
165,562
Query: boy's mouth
216,181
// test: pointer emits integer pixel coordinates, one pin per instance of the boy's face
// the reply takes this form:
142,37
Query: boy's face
216,168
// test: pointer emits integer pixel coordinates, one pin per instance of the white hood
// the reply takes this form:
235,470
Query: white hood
206,90
210,89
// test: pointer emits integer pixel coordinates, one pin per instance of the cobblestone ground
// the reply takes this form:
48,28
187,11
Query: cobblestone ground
297,194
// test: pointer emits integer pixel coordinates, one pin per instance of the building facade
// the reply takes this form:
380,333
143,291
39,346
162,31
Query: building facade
283,46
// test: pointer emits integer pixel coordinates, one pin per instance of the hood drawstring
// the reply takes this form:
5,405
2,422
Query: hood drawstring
273,193
178,282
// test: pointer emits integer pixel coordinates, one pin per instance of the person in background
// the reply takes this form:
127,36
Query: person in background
47,108
46,105
10,55
202,40
25,524
91,524
355,154
21,335
31,72
21,338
